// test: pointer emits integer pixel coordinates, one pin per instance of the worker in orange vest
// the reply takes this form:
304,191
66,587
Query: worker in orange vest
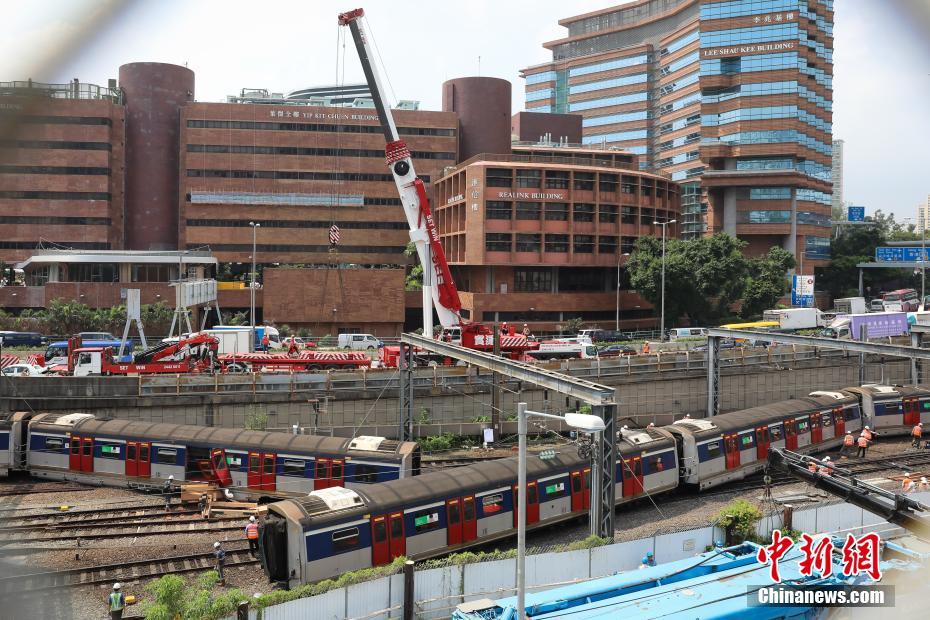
646,348
251,533
848,442
812,467
826,467
916,434
867,433
863,445
907,485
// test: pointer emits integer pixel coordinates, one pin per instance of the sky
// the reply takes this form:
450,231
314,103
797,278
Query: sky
881,60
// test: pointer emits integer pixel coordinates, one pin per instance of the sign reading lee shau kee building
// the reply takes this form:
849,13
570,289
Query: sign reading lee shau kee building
747,50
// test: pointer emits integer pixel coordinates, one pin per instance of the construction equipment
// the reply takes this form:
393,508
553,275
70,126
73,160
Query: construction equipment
894,507
188,355
303,361
439,289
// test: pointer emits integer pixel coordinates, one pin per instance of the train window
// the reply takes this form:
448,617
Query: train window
54,443
234,460
802,426
109,452
269,464
713,449
491,504
380,531
852,413
775,433
218,462
320,471
253,463
88,447
555,489
826,420
166,456
746,440
131,452
425,520
469,509
293,467
397,527
144,453
366,474
925,405
76,445
454,515
815,422
337,470
345,540
576,484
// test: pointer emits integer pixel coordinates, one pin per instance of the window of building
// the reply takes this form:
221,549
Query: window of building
628,215
607,214
38,275
528,242
607,245
556,179
584,181
646,216
528,210
608,182
533,279
556,211
584,244
557,243
499,177
627,244
154,273
583,212
529,178
497,242
92,272
497,210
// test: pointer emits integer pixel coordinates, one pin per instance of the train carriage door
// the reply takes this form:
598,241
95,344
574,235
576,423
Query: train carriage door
220,467
586,489
337,474
816,428
638,475
321,473
532,503
577,481
269,471
74,460
730,451
469,519
380,547
454,521
911,412
254,476
87,454
144,469
791,435
396,530
762,443
839,422
132,458
629,482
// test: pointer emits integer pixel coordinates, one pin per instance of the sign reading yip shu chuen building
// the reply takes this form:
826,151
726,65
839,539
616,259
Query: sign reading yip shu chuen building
511,195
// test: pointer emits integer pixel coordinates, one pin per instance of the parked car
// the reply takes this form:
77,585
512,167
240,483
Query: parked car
24,370
302,342
21,339
602,335
686,332
876,305
726,343
358,342
616,350
97,336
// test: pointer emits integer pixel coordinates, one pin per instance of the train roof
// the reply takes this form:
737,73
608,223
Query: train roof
766,414
880,391
230,438
489,475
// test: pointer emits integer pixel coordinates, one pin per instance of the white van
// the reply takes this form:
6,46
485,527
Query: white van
358,342
686,332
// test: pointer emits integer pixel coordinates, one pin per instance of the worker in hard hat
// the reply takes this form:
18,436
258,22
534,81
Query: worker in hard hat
116,602
526,330
166,491
220,556
826,467
863,443
251,534
916,434
649,560
848,442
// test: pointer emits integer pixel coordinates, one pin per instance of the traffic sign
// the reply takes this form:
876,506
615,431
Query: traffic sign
855,214
802,291
899,254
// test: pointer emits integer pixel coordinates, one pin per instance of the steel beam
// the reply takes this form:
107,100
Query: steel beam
405,398
606,471
850,346
587,391
713,376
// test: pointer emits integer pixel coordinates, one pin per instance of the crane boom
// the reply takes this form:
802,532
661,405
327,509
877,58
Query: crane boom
439,288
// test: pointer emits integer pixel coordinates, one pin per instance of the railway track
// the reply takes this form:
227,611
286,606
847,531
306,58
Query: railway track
106,530
22,585
97,517
29,489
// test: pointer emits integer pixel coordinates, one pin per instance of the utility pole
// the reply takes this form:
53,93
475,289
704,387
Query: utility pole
619,258
496,388
255,226
664,226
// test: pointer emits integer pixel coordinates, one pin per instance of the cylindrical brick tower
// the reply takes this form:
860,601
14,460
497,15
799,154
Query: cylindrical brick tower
483,107
154,94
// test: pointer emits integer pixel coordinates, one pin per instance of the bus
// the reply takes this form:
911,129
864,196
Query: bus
901,300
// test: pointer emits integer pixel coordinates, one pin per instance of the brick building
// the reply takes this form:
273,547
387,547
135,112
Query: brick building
732,98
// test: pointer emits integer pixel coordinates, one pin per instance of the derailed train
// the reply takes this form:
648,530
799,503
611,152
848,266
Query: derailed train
336,530
81,447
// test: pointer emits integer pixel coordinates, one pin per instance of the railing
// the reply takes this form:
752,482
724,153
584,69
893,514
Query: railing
70,90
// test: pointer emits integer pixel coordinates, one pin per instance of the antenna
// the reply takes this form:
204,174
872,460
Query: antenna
479,66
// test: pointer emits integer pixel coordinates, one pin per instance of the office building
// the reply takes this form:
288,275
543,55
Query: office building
836,176
923,214
733,99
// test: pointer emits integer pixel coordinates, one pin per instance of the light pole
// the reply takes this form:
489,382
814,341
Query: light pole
580,421
921,262
255,226
618,289
664,226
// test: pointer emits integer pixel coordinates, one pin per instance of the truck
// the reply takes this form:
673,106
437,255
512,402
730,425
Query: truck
439,291
878,325
194,354
850,305
562,349
301,362
794,318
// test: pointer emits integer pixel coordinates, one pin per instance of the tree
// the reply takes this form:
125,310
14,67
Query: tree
765,281
414,279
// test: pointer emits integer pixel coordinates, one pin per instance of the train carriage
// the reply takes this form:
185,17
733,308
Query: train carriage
893,409
336,530
6,444
140,454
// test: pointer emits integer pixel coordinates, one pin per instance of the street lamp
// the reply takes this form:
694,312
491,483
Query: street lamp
921,262
618,289
580,421
664,226
255,226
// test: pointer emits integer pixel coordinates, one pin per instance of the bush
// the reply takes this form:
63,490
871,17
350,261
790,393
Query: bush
741,517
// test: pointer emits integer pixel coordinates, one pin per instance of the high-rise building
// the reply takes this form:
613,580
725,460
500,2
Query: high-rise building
923,214
837,176
731,99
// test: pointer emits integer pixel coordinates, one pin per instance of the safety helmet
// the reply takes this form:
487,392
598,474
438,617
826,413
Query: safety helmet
849,432
216,545
649,554
252,519
117,586
923,481
171,477
866,428
826,458
920,424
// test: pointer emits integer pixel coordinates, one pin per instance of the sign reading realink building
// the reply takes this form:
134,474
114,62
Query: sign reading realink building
531,195
746,50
